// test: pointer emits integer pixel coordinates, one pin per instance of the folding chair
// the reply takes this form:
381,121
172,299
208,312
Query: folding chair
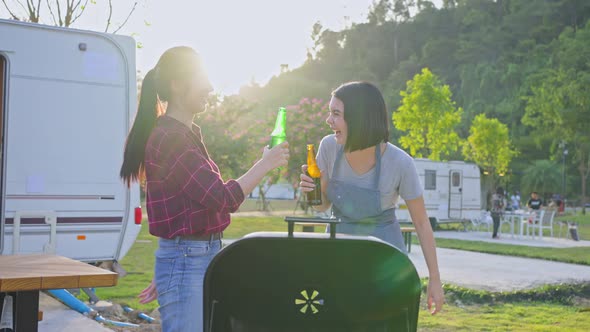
310,282
485,219
545,221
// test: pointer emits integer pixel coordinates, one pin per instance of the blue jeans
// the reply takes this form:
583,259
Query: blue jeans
179,273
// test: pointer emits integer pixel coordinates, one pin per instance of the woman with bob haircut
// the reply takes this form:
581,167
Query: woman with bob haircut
188,203
363,175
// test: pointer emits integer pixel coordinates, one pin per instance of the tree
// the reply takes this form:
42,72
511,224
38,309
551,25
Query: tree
429,117
449,3
316,33
542,176
379,12
232,145
402,9
489,146
558,107
63,13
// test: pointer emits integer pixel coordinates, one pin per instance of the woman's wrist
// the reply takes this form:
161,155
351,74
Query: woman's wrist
435,277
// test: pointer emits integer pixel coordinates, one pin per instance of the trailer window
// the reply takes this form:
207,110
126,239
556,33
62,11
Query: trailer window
429,179
456,179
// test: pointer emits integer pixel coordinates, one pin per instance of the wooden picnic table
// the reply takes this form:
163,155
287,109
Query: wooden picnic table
23,276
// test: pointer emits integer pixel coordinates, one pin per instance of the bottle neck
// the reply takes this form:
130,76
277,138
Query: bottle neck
312,167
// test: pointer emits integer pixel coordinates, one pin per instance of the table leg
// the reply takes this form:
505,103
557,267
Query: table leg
408,239
25,310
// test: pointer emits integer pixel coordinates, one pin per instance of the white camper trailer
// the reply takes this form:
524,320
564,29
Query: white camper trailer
452,190
67,99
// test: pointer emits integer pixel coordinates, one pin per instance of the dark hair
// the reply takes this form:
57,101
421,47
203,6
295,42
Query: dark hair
176,64
500,191
365,114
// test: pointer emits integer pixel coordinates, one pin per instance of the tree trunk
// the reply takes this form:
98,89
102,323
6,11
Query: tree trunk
262,198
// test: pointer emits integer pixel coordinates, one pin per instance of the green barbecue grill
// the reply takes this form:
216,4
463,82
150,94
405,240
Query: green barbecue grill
273,281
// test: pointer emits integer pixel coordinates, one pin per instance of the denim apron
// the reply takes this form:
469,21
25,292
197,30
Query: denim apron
359,209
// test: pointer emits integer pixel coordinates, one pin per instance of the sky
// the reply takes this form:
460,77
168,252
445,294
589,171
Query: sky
240,40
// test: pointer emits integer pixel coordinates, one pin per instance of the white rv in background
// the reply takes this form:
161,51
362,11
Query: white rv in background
67,100
452,190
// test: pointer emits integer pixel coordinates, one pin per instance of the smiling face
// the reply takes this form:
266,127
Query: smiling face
336,120
358,116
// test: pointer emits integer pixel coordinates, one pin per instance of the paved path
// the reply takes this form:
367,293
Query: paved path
59,318
498,273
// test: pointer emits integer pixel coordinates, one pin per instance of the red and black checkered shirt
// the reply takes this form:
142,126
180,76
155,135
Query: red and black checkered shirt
185,193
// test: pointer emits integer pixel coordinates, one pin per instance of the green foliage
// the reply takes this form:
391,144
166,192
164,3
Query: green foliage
490,54
489,145
541,176
562,294
557,107
227,136
429,117
499,58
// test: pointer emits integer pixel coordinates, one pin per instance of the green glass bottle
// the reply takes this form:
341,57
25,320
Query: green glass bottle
279,133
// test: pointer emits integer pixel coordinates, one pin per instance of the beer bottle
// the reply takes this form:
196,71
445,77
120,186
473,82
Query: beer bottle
314,197
279,133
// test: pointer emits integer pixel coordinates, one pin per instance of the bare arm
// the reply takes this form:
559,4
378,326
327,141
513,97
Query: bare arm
271,158
424,231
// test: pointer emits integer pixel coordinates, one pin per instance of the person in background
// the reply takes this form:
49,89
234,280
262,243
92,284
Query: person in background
188,203
515,200
363,176
497,210
534,203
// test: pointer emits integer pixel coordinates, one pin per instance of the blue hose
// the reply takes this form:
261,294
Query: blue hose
112,322
140,315
72,302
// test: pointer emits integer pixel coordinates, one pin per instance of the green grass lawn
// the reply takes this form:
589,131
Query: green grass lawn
518,316
578,255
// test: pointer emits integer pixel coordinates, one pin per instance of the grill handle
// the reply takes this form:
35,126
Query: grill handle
303,220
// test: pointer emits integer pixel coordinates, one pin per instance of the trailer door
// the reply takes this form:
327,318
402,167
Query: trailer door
455,194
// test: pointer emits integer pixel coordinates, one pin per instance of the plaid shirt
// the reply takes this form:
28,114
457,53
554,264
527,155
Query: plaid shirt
185,192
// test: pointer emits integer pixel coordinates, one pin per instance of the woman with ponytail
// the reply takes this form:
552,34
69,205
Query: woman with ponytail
188,203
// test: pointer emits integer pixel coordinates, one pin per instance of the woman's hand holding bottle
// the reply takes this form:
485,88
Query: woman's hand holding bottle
276,157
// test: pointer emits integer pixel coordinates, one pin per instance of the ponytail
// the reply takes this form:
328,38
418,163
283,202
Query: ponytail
133,167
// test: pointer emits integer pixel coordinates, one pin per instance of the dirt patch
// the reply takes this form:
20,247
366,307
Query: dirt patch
116,313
